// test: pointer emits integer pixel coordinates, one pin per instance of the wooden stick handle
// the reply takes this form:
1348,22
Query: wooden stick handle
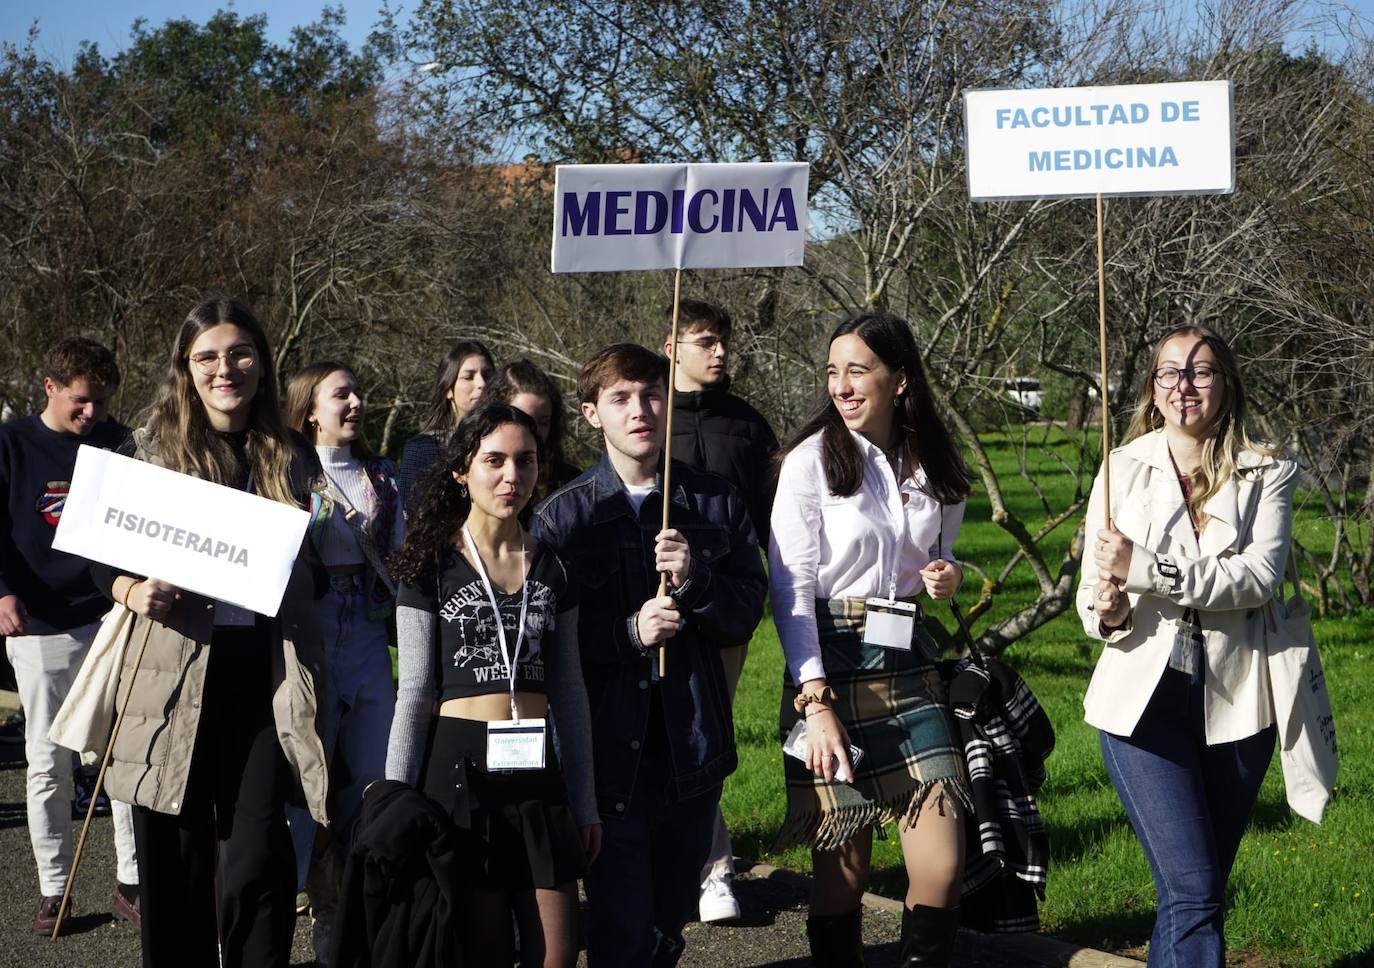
1102,386
668,445
100,779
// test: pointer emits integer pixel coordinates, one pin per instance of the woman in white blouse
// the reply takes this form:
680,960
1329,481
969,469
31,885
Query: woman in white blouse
870,498
1176,588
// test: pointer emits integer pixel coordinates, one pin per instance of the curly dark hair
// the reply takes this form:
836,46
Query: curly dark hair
444,504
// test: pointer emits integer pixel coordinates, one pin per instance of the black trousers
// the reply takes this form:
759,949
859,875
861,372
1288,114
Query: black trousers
222,871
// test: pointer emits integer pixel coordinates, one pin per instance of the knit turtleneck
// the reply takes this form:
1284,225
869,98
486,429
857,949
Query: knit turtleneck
347,477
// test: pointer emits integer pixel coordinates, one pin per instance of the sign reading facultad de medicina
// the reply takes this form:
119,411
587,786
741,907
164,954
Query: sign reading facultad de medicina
206,538
1077,142
613,218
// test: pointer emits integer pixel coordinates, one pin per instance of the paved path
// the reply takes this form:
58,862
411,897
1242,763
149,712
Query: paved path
772,931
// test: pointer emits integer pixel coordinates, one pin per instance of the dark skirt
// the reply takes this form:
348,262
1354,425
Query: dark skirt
894,706
524,832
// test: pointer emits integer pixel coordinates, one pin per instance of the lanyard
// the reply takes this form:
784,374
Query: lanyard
500,624
901,525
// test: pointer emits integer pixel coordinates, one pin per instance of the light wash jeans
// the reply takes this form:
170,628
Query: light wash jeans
356,721
45,666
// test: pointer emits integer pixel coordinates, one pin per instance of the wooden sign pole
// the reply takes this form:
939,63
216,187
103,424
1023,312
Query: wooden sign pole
668,447
1102,385
100,779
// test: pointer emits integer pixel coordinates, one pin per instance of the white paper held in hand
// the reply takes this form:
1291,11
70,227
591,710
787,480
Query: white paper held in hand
795,746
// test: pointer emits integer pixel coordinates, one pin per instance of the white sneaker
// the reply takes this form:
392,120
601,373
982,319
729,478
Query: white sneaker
717,899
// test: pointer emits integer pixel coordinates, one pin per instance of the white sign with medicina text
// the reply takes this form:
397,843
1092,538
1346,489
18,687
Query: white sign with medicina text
227,544
1078,142
614,218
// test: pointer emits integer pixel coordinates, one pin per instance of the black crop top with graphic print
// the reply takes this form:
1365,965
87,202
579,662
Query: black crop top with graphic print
470,662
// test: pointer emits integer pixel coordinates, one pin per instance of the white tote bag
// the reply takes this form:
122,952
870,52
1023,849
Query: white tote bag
1302,705
87,714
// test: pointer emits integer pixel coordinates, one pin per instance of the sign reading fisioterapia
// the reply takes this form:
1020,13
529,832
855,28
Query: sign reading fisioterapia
1077,142
223,543
612,218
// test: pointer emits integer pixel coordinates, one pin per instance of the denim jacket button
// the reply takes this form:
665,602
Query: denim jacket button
634,744
619,808
644,683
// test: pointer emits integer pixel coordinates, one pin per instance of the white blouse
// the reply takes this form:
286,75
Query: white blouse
824,546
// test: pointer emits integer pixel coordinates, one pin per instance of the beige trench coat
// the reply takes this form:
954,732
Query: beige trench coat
1228,575
151,761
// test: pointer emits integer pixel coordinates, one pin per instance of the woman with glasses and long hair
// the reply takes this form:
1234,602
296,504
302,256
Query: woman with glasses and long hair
1175,588
220,728
526,387
356,523
870,498
487,627
459,380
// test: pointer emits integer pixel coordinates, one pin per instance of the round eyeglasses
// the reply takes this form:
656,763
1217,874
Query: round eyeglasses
238,357
1201,377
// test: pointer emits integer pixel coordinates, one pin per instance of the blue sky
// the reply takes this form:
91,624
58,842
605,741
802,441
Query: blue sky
64,24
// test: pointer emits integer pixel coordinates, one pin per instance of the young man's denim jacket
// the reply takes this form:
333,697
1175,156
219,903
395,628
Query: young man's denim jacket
609,552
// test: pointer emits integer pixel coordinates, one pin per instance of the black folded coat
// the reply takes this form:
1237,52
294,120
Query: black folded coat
403,884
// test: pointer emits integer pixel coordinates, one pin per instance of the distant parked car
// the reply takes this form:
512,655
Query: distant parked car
1025,392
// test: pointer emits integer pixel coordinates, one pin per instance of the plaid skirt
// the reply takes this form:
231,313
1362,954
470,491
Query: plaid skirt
894,707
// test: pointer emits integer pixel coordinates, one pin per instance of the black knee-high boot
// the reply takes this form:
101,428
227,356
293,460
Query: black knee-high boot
837,940
928,936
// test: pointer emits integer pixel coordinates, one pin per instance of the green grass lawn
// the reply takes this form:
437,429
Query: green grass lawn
1300,894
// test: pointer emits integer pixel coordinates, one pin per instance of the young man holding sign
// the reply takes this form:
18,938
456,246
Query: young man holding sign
662,746
715,430
49,608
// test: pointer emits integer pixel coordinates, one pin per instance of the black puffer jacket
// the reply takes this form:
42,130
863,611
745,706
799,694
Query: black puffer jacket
716,431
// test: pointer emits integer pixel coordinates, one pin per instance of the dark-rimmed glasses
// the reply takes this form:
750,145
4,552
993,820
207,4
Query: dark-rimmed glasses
1201,377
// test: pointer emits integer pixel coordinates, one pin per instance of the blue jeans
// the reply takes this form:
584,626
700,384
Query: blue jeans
1188,803
355,723
645,884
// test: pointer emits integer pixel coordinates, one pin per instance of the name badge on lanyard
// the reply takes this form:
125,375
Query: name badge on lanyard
889,624
515,745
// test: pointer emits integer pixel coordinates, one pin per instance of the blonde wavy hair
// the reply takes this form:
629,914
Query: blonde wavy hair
1229,437
177,422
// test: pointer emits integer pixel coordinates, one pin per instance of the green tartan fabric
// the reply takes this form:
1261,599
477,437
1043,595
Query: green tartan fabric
893,705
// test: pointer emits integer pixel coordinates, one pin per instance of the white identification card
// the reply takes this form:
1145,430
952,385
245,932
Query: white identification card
515,745
1184,654
232,616
889,624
